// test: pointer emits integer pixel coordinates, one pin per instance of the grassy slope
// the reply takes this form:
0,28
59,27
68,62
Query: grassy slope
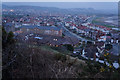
35,61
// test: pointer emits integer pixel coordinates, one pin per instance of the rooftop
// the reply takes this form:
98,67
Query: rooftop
41,27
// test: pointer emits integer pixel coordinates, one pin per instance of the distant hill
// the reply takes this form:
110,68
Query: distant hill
63,11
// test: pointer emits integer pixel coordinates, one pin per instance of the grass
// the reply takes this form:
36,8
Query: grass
48,48
94,21
109,26
61,55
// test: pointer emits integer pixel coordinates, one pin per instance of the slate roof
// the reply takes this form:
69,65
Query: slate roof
41,27
91,51
8,24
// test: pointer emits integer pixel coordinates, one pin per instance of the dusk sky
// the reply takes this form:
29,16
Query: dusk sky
95,5
60,0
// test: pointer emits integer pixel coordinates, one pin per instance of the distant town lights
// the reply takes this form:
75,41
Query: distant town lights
11,10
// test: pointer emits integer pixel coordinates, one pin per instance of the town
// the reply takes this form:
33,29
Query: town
90,40
57,30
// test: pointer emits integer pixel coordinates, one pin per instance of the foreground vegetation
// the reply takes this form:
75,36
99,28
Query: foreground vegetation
34,61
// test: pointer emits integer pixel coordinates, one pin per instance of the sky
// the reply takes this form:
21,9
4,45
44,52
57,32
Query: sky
60,0
95,5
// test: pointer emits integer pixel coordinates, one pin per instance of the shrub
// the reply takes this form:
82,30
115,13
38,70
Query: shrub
108,46
7,38
69,47
60,56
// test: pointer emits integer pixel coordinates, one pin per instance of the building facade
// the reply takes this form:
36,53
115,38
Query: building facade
47,30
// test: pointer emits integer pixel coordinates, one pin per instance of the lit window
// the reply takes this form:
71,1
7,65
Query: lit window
55,39
56,45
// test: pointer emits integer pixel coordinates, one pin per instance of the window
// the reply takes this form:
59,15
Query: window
27,29
47,31
56,32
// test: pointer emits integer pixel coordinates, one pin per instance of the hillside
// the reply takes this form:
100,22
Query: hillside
29,60
46,62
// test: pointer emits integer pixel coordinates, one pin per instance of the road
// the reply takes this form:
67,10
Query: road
70,34
91,19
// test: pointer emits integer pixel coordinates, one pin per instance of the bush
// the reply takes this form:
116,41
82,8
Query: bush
108,46
7,38
69,47
115,75
81,74
89,43
60,56
63,58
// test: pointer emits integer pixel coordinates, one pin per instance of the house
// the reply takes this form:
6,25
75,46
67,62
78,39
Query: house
100,47
102,38
108,39
90,51
9,27
51,40
66,24
81,29
115,38
48,30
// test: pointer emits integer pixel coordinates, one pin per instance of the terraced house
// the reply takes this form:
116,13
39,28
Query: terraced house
47,30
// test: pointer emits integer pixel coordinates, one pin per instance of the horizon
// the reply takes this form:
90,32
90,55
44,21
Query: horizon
67,5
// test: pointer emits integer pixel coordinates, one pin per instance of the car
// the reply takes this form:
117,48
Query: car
76,52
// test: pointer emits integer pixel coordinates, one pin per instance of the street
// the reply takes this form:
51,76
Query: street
70,34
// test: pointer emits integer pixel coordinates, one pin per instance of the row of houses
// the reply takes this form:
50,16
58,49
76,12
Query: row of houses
47,39
97,27
88,32
95,32
47,30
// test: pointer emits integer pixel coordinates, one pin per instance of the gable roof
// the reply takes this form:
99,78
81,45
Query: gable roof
41,27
